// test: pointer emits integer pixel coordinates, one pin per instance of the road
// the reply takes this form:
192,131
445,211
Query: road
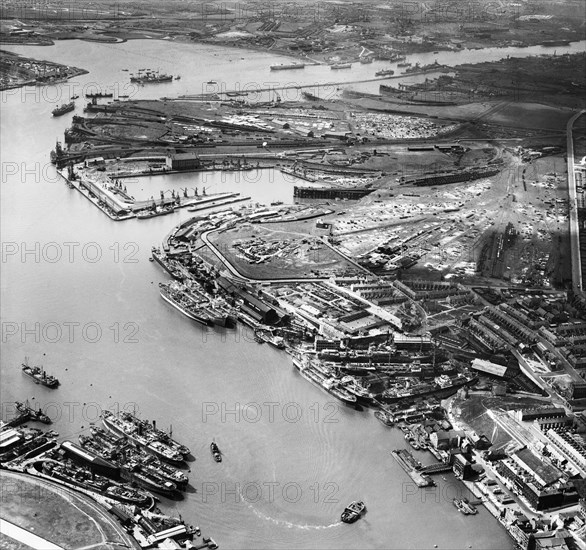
574,228
26,537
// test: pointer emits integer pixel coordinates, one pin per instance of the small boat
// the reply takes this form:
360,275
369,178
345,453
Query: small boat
74,97
353,511
464,506
211,82
414,444
215,452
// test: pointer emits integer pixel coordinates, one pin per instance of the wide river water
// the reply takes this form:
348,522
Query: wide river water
79,296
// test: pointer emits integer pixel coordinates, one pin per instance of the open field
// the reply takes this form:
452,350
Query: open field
284,252
57,514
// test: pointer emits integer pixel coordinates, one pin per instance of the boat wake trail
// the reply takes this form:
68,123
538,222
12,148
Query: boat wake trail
292,525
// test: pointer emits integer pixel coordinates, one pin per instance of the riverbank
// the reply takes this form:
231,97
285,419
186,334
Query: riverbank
17,71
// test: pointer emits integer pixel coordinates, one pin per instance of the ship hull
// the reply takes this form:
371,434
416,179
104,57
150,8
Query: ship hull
316,380
116,430
188,314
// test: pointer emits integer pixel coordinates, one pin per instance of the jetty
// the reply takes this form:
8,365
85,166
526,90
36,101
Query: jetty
412,467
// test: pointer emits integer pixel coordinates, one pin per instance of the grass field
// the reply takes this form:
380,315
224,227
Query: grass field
294,252
56,514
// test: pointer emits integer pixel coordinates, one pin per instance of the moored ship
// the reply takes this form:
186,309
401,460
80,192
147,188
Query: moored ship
154,212
384,417
125,453
98,95
385,72
341,66
350,384
448,386
310,97
62,109
127,425
80,477
327,383
464,506
147,478
287,66
179,301
33,414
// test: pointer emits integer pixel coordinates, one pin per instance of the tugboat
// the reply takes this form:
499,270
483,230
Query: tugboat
353,511
215,452
39,375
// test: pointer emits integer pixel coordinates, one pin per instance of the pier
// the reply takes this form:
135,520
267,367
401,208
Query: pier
412,467
436,468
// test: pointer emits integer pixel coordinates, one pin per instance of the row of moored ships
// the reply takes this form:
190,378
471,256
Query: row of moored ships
346,389
145,435
127,461
349,390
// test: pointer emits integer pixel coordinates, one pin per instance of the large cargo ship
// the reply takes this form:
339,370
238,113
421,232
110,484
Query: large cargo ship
150,77
148,430
39,375
147,478
123,453
441,387
320,378
162,260
287,66
179,301
62,109
98,95
129,426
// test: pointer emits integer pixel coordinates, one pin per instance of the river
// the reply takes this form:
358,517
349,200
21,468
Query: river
80,296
